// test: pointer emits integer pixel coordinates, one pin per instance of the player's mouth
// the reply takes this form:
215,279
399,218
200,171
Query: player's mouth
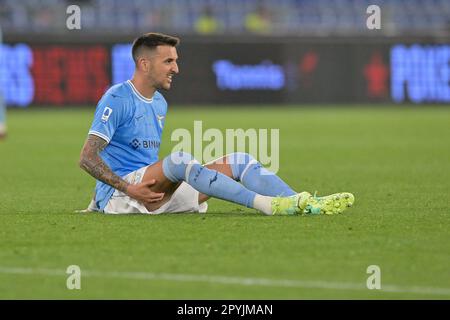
169,78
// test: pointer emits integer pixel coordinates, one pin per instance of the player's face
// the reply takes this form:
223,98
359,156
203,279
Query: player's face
162,67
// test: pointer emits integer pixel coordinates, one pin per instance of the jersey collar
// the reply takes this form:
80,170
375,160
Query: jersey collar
140,96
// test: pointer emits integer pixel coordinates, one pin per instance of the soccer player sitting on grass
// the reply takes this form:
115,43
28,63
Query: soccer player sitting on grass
122,147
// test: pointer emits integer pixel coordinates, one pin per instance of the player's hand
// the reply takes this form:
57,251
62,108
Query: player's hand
143,193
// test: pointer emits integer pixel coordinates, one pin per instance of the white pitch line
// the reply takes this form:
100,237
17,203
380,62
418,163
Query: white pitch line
229,280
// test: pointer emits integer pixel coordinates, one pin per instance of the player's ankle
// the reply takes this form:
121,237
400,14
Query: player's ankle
263,204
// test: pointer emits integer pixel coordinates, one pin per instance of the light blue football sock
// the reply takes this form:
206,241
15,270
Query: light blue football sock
181,166
255,177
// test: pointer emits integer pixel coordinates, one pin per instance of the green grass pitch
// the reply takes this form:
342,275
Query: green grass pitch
395,159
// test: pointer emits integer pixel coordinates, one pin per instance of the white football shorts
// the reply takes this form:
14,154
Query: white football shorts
184,199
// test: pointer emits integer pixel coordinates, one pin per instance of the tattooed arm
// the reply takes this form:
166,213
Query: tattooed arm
92,163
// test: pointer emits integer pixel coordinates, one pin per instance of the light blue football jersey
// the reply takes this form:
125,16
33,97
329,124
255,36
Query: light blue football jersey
132,125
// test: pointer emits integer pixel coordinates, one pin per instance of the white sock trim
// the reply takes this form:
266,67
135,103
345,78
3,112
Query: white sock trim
263,204
253,161
188,169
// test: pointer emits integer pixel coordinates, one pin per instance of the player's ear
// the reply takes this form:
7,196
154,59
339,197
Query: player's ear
143,64
147,65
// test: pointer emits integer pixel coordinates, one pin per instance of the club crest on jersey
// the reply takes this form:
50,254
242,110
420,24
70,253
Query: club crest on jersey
106,113
160,119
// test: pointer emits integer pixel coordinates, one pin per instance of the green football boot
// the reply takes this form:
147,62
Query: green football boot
333,204
291,205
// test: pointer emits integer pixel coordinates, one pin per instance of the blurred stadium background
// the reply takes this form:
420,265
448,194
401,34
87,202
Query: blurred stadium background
358,109
287,51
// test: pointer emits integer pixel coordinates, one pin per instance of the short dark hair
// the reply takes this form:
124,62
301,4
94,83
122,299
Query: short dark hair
151,40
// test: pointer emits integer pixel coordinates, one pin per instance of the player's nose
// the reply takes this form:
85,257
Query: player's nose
175,68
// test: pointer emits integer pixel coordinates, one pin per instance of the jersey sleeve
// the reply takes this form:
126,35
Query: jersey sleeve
109,115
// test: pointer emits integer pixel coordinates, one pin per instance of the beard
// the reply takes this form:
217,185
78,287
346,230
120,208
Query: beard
161,84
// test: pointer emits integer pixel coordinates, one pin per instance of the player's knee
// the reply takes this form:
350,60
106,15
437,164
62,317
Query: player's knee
176,164
239,162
